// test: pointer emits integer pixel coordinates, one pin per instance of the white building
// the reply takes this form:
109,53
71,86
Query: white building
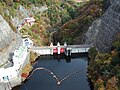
7,74
27,42
30,21
12,74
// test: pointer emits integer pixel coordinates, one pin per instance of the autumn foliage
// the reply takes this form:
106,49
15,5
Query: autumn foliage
79,25
104,68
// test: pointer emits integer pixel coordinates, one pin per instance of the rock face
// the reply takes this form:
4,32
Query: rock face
107,4
9,41
103,31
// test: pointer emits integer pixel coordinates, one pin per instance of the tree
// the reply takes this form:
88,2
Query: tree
16,0
116,45
92,53
9,2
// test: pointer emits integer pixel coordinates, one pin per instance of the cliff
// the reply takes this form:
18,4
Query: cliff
103,31
9,41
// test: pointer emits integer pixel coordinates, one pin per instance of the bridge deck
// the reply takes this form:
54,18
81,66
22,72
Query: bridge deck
43,48
69,46
79,46
46,50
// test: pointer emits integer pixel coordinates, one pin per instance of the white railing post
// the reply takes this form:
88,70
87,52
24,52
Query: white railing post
58,47
51,51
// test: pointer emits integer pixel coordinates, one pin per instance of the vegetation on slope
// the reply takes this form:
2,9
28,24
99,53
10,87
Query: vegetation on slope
54,16
104,68
73,30
58,13
68,18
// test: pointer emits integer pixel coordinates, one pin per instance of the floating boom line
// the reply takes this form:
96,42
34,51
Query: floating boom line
54,76
42,68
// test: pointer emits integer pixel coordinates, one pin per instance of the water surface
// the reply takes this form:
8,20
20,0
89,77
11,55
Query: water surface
61,67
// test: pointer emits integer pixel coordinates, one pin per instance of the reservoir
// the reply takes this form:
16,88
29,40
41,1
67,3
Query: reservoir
58,73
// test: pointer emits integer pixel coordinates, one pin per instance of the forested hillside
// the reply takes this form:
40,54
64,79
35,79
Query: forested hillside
60,20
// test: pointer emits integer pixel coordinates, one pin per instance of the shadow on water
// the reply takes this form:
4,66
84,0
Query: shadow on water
65,69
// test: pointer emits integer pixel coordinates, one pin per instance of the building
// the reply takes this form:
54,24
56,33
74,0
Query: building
12,75
27,42
29,21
